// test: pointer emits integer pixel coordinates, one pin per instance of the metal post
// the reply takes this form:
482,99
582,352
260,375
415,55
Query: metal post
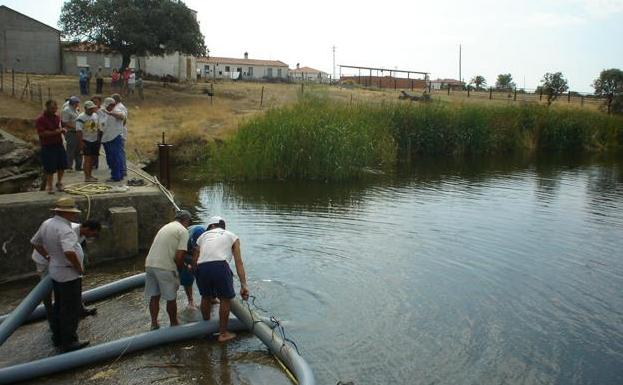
490,93
13,82
569,97
211,93
164,161
515,95
262,97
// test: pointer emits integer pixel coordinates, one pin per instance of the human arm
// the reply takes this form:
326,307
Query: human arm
44,133
72,257
195,257
116,114
37,244
244,289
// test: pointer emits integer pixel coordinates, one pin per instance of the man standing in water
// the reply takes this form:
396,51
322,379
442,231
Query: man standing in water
165,256
215,249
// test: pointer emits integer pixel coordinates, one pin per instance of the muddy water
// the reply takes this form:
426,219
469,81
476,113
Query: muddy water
475,272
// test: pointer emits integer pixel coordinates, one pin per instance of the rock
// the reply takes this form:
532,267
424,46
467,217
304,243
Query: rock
19,164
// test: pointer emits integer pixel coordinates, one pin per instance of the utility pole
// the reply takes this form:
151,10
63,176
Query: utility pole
460,53
334,64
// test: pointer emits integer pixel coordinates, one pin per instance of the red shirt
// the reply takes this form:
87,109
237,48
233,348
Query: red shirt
47,122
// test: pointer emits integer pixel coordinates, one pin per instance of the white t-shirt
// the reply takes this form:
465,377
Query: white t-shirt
169,239
88,124
120,107
69,114
57,236
111,128
215,245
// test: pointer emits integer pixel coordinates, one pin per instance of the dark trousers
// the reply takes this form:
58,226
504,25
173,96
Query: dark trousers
99,84
67,309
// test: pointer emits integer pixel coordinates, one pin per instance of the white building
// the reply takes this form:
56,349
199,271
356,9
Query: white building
177,65
308,74
245,69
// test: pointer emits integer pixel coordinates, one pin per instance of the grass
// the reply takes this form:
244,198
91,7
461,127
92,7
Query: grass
321,139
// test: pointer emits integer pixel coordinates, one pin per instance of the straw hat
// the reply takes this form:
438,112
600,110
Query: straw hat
66,205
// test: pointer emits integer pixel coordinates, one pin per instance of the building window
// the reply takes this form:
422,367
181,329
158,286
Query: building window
206,69
239,69
269,72
81,61
278,72
226,68
106,62
250,71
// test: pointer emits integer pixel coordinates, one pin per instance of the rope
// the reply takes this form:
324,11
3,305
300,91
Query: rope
88,189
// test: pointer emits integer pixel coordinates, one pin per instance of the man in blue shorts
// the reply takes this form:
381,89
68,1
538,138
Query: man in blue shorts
186,274
215,249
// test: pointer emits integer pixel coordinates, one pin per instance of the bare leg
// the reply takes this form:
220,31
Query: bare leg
189,295
206,307
87,166
59,176
49,180
223,314
154,309
172,310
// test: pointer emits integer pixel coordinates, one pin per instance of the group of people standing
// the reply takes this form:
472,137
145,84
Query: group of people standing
72,140
124,82
181,253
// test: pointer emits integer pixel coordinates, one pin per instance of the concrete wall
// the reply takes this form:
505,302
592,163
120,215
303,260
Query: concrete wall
28,210
28,45
259,72
183,67
315,77
93,59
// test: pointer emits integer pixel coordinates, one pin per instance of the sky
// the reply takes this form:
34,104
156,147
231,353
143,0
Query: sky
525,38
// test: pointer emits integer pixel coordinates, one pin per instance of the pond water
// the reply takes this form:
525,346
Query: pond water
499,271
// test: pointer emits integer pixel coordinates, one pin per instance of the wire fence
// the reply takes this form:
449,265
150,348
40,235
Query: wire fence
23,87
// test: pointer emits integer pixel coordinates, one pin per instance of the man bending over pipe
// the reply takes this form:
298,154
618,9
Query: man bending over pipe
211,258
165,256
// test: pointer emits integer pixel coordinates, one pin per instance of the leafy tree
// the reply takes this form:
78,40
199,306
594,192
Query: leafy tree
554,85
133,27
479,81
505,82
610,85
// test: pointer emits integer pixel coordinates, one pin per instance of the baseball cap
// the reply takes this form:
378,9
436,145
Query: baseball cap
89,104
108,102
74,100
215,220
183,215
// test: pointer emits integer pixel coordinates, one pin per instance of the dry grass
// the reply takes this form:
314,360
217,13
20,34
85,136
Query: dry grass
185,112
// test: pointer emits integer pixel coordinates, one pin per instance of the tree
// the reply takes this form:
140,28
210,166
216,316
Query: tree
505,82
554,85
479,81
133,27
610,85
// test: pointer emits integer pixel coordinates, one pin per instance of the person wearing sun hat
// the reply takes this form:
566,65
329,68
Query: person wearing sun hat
58,242
215,249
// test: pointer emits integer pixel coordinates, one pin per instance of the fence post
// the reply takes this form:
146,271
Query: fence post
515,95
490,93
163,160
569,97
429,87
582,101
541,94
262,97
13,82
411,84
211,93
1,78
40,96
468,91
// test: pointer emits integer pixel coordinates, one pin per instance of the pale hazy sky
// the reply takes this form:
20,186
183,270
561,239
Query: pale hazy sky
526,38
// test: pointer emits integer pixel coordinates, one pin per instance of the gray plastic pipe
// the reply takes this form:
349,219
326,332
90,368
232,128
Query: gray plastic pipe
90,296
111,350
285,352
25,308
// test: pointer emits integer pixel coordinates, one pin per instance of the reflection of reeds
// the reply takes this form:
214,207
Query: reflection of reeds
321,139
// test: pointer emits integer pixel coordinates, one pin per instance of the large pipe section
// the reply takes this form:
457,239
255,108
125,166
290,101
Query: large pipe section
111,350
25,308
284,351
90,296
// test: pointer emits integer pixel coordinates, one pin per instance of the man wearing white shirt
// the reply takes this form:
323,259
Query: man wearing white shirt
122,109
112,139
211,257
56,240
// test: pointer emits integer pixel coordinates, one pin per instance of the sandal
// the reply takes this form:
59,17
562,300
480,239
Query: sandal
60,187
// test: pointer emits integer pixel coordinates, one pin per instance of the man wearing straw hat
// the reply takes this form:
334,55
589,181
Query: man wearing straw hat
57,241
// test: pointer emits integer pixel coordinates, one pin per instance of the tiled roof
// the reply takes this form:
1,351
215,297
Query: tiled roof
234,61
307,70
85,47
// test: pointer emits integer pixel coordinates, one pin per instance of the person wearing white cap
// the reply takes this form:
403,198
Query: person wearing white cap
88,135
112,139
165,256
58,242
69,114
215,249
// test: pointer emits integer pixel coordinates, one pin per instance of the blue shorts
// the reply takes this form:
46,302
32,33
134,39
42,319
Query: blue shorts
215,279
186,276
